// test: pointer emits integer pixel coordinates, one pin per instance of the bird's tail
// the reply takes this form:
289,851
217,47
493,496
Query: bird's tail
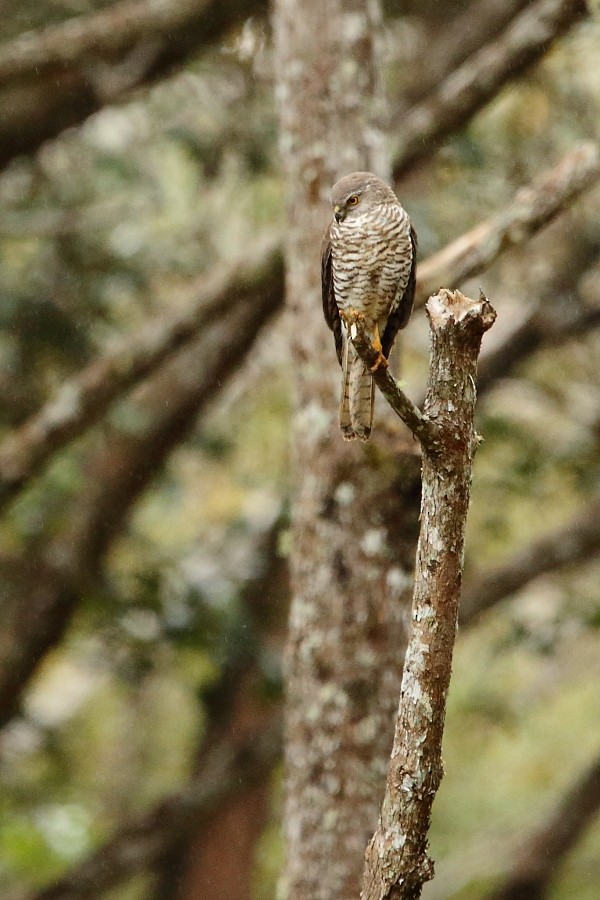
358,396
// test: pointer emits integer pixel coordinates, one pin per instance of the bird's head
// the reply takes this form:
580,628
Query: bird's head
353,194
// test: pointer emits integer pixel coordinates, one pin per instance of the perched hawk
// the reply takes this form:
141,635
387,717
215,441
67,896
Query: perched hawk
368,265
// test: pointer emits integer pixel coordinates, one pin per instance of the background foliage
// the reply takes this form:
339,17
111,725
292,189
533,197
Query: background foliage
105,226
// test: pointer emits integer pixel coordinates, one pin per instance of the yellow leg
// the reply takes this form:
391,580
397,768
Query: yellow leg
381,361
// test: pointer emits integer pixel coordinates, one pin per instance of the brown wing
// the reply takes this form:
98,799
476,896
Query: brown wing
330,307
399,318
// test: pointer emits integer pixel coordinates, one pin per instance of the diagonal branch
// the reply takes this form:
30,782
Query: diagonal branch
120,468
63,73
104,32
532,208
478,79
467,32
540,856
83,399
397,864
536,331
422,427
578,540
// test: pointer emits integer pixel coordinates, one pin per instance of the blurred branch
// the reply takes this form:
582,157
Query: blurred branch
539,329
229,765
157,418
578,540
458,39
106,31
539,857
466,90
56,77
532,208
83,399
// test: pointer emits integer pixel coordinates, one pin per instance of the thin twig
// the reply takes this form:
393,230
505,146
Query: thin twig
426,431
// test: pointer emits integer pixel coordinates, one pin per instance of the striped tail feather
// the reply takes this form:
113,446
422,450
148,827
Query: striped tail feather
357,397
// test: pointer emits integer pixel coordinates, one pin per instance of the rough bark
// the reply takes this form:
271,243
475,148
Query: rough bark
354,510
83,399
397,863
56,77
469,87
540,856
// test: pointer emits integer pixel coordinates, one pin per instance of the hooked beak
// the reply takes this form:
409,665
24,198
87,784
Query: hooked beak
338,214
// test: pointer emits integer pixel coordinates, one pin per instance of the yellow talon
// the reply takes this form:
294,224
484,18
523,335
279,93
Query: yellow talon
351,316
381,361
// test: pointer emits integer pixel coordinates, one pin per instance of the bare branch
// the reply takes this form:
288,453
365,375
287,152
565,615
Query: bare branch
83,399
541,855
118,470
532,208
578,540
477,80
397,864
140,846
103,32
537,330
459,39
56,77
426,431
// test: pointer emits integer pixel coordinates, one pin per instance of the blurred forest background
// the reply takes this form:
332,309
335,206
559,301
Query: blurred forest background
145,397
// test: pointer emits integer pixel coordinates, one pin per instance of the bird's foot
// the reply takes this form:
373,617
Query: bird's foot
381,362
350,318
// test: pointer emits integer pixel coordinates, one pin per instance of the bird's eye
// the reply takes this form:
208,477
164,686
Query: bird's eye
353,200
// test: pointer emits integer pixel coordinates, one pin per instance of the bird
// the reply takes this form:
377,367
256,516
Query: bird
368,269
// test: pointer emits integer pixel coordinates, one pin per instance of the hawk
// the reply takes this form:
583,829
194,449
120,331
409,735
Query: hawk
368,267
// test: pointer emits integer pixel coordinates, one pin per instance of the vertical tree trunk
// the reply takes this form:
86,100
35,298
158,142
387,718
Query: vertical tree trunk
354,516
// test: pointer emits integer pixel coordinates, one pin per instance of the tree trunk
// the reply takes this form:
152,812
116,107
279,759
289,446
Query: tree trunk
354,515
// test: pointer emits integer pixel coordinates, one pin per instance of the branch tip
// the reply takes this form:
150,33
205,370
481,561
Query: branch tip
448,307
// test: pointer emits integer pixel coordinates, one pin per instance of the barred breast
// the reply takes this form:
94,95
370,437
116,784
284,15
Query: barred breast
371,260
